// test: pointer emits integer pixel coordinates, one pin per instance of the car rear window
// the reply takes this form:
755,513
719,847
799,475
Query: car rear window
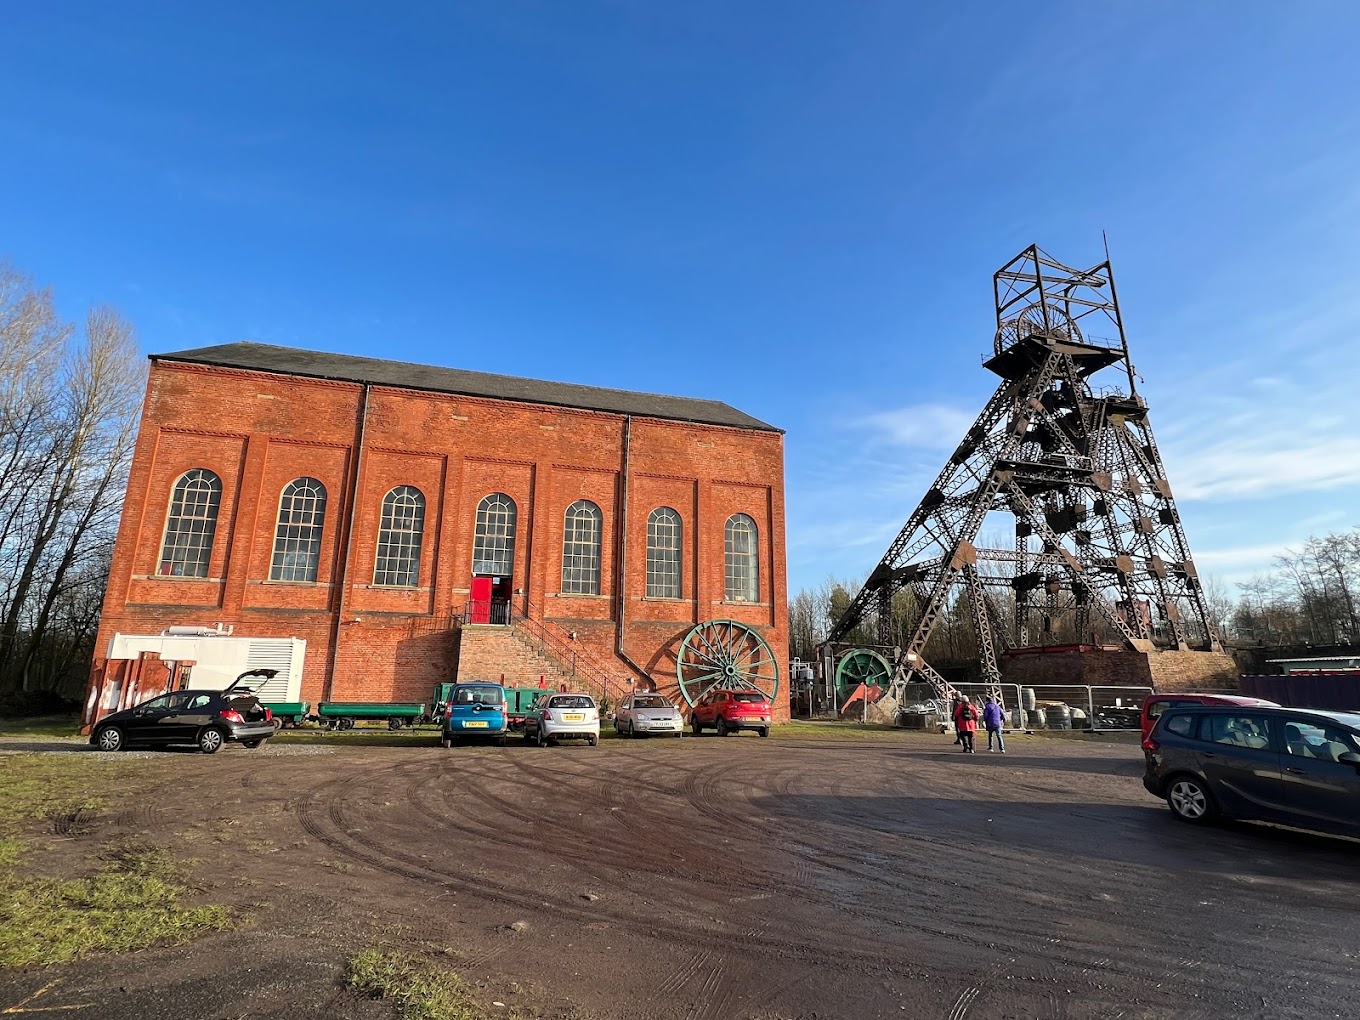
478,696
1181,725
748,697
571,701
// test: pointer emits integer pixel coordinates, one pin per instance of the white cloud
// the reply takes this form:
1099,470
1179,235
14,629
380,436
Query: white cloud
1269,464
934,426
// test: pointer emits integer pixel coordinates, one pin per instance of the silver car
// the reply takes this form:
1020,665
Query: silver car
555,716
644,712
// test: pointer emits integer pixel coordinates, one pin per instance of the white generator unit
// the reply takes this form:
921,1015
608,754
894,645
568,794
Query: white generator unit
219,659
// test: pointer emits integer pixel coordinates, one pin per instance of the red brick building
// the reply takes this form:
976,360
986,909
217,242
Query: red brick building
380,511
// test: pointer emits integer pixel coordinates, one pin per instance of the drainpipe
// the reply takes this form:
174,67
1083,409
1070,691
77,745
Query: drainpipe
349,535
622,555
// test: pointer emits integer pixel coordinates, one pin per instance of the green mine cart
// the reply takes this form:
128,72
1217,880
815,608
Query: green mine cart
289,713
344,714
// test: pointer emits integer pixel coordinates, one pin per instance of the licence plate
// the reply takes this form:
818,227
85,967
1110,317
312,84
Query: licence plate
573,718
475,725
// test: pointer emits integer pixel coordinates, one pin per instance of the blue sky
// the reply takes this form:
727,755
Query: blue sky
793,207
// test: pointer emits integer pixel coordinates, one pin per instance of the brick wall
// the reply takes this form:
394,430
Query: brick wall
1163,670
258,431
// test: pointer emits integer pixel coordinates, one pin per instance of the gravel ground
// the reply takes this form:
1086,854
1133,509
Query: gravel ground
706,879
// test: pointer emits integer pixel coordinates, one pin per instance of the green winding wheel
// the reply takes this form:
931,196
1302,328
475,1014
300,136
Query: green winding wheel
862,666
724,653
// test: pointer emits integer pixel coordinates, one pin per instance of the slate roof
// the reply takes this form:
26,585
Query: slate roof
348,368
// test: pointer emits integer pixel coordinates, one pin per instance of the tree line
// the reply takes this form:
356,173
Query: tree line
69,400
1312,596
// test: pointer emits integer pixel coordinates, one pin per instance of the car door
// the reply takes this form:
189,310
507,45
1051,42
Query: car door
1241,760
153,721
1320,790
194,711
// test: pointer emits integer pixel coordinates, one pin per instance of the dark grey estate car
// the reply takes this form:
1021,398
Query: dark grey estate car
1294,766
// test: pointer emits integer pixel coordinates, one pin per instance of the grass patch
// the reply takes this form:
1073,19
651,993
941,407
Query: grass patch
42,726
44,786
418,988
130,903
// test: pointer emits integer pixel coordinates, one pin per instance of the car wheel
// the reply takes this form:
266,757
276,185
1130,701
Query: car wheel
444,741
694,725
210,740
253,743
542,737
528,737
110,739
1190,800
592,740
500,741
722,727
764,731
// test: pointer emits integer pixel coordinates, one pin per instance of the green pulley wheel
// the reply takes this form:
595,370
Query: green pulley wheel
725,654
862,666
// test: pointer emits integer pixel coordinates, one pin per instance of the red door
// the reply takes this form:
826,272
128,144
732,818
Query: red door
479,601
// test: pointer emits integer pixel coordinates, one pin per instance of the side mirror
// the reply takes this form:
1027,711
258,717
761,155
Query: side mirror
1350,758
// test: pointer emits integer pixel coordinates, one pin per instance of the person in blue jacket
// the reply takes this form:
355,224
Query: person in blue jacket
993,720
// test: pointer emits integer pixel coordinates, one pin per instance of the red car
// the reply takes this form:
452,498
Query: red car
730,711
1156,704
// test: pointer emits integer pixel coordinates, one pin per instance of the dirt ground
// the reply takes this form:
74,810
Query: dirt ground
706,879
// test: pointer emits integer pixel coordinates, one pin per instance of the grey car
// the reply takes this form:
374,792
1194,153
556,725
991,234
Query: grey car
645,712
1293,766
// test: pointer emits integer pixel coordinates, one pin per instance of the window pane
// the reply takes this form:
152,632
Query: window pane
1325,743
1181,725
191,525
581,549
297,539
742,567
493,542
1237,730
663,554
400,538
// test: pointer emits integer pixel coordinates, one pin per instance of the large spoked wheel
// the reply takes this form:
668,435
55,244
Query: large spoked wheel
210,740
725,654
1190,800
861,666
110,739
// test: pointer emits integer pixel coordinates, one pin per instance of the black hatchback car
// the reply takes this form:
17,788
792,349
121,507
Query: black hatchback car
207,719
1293,766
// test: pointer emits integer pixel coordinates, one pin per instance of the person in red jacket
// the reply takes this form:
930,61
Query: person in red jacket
965,721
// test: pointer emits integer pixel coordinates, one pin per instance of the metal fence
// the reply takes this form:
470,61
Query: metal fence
1041,707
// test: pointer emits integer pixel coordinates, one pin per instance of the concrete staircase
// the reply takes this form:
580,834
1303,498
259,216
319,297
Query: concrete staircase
503,654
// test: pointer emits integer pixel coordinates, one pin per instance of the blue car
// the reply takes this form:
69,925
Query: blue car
475,710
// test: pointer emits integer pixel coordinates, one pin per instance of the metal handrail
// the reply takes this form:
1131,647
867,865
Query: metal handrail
559,646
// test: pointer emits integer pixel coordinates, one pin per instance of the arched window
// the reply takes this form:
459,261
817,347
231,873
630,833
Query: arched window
581,549
400,538
742,560
191,525
664,532
297,539
493,539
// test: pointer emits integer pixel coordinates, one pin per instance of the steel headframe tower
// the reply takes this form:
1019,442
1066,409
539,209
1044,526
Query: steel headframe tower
1078,474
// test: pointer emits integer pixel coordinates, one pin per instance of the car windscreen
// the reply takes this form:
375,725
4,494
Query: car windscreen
478,696
749,697
651,703
571,701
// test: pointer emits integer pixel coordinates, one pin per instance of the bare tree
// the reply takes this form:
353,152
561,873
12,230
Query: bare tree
68,412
